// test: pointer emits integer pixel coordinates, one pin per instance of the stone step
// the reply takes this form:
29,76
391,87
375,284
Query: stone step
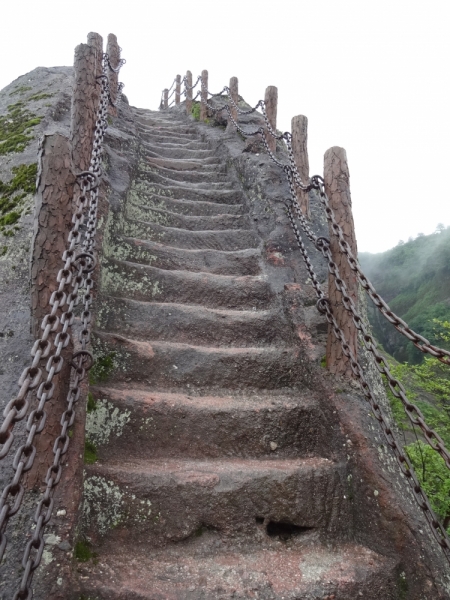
191,223
186,164
141,424
160,151
143,282
225,240
164,143
183,207
178,132
194,324
195,182
213,177
239,262
210,569
167,499
175,367
189,192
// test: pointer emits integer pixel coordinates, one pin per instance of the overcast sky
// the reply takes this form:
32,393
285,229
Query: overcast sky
372,77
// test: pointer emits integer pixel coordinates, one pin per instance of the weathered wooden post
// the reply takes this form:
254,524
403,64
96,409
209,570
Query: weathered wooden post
234,93
177,89
271,102
337,187
85,101
166,98
113,51
204,96
188,88
299,130
95,40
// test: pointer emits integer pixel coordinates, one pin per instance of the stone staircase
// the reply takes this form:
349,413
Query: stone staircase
216,476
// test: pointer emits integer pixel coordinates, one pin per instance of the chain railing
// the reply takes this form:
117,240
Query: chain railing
75,284
322,244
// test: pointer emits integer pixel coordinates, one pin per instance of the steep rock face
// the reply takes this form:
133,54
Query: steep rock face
229,464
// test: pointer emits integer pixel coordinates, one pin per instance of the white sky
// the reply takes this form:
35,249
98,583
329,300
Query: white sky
372,77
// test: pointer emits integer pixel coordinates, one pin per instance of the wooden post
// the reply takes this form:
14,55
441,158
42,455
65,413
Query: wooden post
177,90
204,96
299,130
113,51
85,101
271,102
337,187
187,86
166,98
95,40
234,93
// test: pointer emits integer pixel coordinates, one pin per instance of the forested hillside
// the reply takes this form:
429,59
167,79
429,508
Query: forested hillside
414,278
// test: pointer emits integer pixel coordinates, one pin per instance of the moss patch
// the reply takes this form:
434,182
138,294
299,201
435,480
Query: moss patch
83,551
91,403
15,128
90,453
196,110
40,96
103,367
12,195
21,90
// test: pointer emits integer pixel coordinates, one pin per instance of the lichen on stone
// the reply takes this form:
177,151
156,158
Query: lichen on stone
105,421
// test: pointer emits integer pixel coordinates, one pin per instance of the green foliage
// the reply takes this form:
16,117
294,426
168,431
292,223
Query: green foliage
196,110
83,551
414,278
13,193
40,97
433,476
90,453
103,367
15,128
21,90
91,403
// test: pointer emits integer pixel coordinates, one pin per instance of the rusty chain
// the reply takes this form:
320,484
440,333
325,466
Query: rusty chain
48,348
324,307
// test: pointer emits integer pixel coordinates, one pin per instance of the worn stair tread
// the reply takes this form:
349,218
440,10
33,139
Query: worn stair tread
193,324
150,214
215,570
186,192
161,424
186,164
190,208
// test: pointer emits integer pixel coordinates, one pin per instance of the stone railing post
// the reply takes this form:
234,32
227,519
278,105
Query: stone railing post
187,86
166,98
204,96
85,101
337,187
299,130
177,90
234,93
95,40
271,102
113,51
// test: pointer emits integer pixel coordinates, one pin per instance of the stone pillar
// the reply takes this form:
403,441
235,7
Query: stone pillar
177,90
234,93
188,85
337,187
166,98
113,51
85,101
52,224
299,130
95,40
204,96
271,102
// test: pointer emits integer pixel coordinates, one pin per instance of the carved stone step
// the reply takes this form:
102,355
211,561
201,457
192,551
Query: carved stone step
194,324
203,183
171,499
226,240
170,366
189,192
189,222
238,262
183,207
140,424
209,569
142,282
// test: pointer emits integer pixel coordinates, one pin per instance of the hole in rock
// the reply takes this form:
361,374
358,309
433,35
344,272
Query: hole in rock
285,530
259,520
